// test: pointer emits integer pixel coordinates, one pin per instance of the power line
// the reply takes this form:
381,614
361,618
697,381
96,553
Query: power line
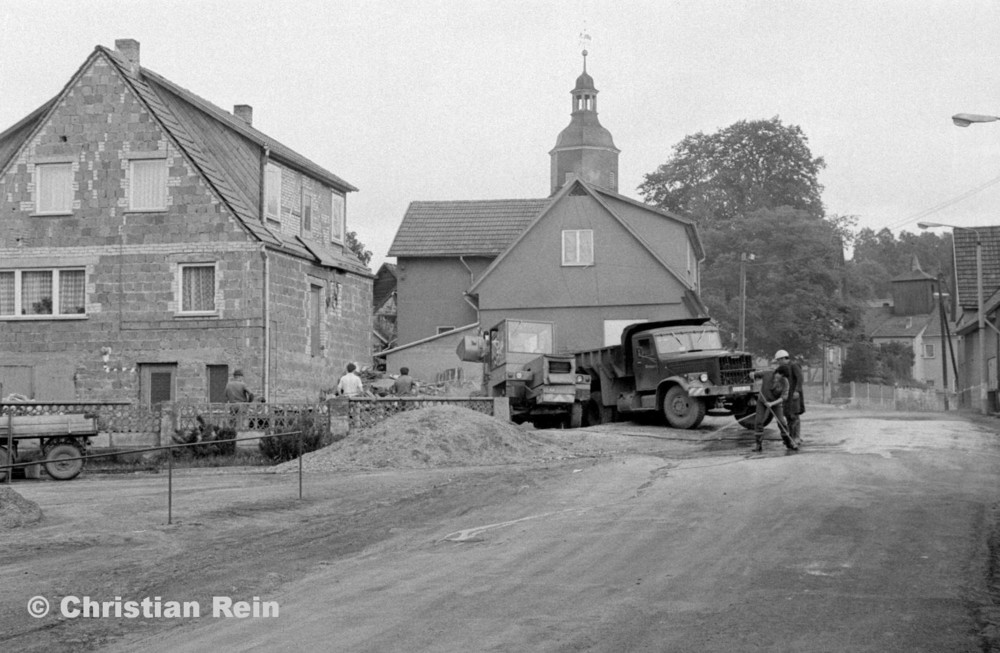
943,205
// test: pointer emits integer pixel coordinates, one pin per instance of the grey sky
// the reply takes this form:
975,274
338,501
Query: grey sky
461,99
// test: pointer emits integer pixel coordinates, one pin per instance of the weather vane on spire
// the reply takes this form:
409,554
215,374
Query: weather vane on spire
584,45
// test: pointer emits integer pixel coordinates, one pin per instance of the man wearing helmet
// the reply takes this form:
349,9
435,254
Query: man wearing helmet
795,405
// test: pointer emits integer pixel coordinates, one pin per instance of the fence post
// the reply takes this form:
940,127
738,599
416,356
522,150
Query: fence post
168,424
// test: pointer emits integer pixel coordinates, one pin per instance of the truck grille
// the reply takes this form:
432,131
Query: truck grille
736,369
560,367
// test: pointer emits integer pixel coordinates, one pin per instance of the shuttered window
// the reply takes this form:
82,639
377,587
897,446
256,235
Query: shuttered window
578,247
54,188
148,185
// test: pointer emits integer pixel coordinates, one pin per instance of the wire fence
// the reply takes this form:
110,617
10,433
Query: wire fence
8,469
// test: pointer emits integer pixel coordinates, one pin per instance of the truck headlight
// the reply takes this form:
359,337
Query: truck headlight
703,378
519,375
579,378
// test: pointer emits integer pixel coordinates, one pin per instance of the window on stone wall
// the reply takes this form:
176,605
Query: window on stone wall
315,319
578,247
928,351
272,192
307,210
197,288
337,218
147,185
37,292
54,188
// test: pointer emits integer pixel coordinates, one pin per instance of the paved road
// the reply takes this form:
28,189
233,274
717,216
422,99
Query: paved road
875,537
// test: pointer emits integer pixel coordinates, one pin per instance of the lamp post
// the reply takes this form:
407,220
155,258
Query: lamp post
981,332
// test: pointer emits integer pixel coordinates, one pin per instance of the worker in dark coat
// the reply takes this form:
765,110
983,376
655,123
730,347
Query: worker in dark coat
796,403
773,394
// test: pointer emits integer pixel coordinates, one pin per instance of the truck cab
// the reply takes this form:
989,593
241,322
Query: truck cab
543,387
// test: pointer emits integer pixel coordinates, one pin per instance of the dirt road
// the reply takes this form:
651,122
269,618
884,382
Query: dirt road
879,536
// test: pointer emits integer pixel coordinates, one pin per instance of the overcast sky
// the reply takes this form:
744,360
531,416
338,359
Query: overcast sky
463,99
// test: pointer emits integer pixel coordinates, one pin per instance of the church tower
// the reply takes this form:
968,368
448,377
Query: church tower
585,149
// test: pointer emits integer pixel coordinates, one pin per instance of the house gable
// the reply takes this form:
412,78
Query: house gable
531,274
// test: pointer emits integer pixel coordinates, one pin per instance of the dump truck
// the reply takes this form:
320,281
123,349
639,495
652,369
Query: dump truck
543,387
675,367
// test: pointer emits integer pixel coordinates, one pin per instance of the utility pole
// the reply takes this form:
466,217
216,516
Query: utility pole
944,343
744,257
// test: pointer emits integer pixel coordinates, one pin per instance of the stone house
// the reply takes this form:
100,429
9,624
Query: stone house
153,242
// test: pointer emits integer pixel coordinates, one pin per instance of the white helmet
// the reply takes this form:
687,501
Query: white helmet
781,354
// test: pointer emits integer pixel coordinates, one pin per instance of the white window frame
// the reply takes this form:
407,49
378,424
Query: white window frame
57,309
928,348
571,256
180,289
338,218
159,168
272,192
41,170
307,211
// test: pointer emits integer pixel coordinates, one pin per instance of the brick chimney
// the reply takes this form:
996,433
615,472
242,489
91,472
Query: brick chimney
244,112
129,48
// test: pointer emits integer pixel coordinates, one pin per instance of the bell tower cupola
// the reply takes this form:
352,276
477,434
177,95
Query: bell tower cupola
585,149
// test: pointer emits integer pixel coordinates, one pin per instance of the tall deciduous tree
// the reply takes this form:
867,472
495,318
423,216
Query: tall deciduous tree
750,165
753,188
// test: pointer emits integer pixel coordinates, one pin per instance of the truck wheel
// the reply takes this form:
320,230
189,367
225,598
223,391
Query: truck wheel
597,413
4,460
748,415
60,469
682,411
575,418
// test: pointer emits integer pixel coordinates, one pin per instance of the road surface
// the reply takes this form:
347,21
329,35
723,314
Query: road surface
880,535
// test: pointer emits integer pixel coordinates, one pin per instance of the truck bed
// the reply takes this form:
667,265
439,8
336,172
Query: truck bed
47,426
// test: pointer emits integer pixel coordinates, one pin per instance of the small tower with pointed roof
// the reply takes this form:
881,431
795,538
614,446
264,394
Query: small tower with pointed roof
584,148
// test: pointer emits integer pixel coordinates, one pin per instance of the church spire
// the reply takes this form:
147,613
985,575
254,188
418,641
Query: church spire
585,149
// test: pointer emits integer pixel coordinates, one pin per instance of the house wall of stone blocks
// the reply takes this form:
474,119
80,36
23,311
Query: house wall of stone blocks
132,262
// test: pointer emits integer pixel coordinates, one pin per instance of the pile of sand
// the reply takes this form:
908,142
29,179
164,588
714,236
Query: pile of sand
16,511
437,436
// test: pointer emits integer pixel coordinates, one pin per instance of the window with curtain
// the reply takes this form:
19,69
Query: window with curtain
72,292
148,184
197,288
36,292
40,292
578,247
7,293
54,188
337,218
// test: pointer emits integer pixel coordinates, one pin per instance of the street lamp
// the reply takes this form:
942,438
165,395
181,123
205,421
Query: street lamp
966,119
981,333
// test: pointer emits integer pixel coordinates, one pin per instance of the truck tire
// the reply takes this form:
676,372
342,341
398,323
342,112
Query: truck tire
597,413
748,414
575,418
682,411
59,469
4,460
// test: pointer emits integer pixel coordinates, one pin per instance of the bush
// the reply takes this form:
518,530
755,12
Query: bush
211,440
315,435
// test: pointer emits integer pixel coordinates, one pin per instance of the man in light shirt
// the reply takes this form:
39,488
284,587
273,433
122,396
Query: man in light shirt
350,384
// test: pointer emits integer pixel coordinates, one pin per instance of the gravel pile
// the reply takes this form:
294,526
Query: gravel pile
437,436
16,511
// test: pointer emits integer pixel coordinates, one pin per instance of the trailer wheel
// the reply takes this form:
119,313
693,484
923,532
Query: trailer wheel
4,460
60,469
682,411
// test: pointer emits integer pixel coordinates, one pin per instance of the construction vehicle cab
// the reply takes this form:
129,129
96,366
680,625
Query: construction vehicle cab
519,363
